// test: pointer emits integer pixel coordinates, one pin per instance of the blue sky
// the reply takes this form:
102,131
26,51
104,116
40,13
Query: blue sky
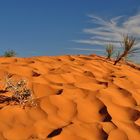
57,27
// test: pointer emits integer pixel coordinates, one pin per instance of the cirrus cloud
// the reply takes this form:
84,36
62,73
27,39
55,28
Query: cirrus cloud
111,31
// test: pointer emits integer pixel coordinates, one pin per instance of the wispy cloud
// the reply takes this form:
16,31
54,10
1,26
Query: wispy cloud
111,31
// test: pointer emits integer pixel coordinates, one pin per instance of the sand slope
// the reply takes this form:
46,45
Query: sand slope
79,98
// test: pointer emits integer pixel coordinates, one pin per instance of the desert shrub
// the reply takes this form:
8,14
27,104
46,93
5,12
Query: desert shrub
21,94
128,48
109,51
10,53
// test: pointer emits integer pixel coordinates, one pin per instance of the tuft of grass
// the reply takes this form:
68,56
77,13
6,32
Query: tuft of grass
128,48
10,53
109,50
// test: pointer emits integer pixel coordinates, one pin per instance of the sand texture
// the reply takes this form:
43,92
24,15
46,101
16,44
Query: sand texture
78,98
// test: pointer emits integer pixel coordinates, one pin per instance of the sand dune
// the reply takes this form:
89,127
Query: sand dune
78,98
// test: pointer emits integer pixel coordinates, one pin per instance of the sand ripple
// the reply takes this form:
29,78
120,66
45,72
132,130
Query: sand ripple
79,98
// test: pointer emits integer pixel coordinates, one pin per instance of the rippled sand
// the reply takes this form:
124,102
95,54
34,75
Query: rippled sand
79,98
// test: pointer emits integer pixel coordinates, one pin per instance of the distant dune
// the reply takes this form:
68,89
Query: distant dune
79,98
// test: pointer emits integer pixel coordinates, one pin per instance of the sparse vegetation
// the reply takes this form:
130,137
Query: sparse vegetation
109,51
128,48
10,53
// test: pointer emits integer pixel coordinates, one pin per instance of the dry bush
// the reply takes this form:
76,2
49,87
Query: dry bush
21,94
128,48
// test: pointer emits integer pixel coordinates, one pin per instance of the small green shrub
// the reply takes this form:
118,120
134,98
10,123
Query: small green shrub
10,53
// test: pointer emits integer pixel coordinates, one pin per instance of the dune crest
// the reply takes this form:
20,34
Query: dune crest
79,98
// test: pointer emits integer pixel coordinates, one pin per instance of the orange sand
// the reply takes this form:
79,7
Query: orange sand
86,97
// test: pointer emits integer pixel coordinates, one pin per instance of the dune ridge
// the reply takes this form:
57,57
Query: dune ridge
81,97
